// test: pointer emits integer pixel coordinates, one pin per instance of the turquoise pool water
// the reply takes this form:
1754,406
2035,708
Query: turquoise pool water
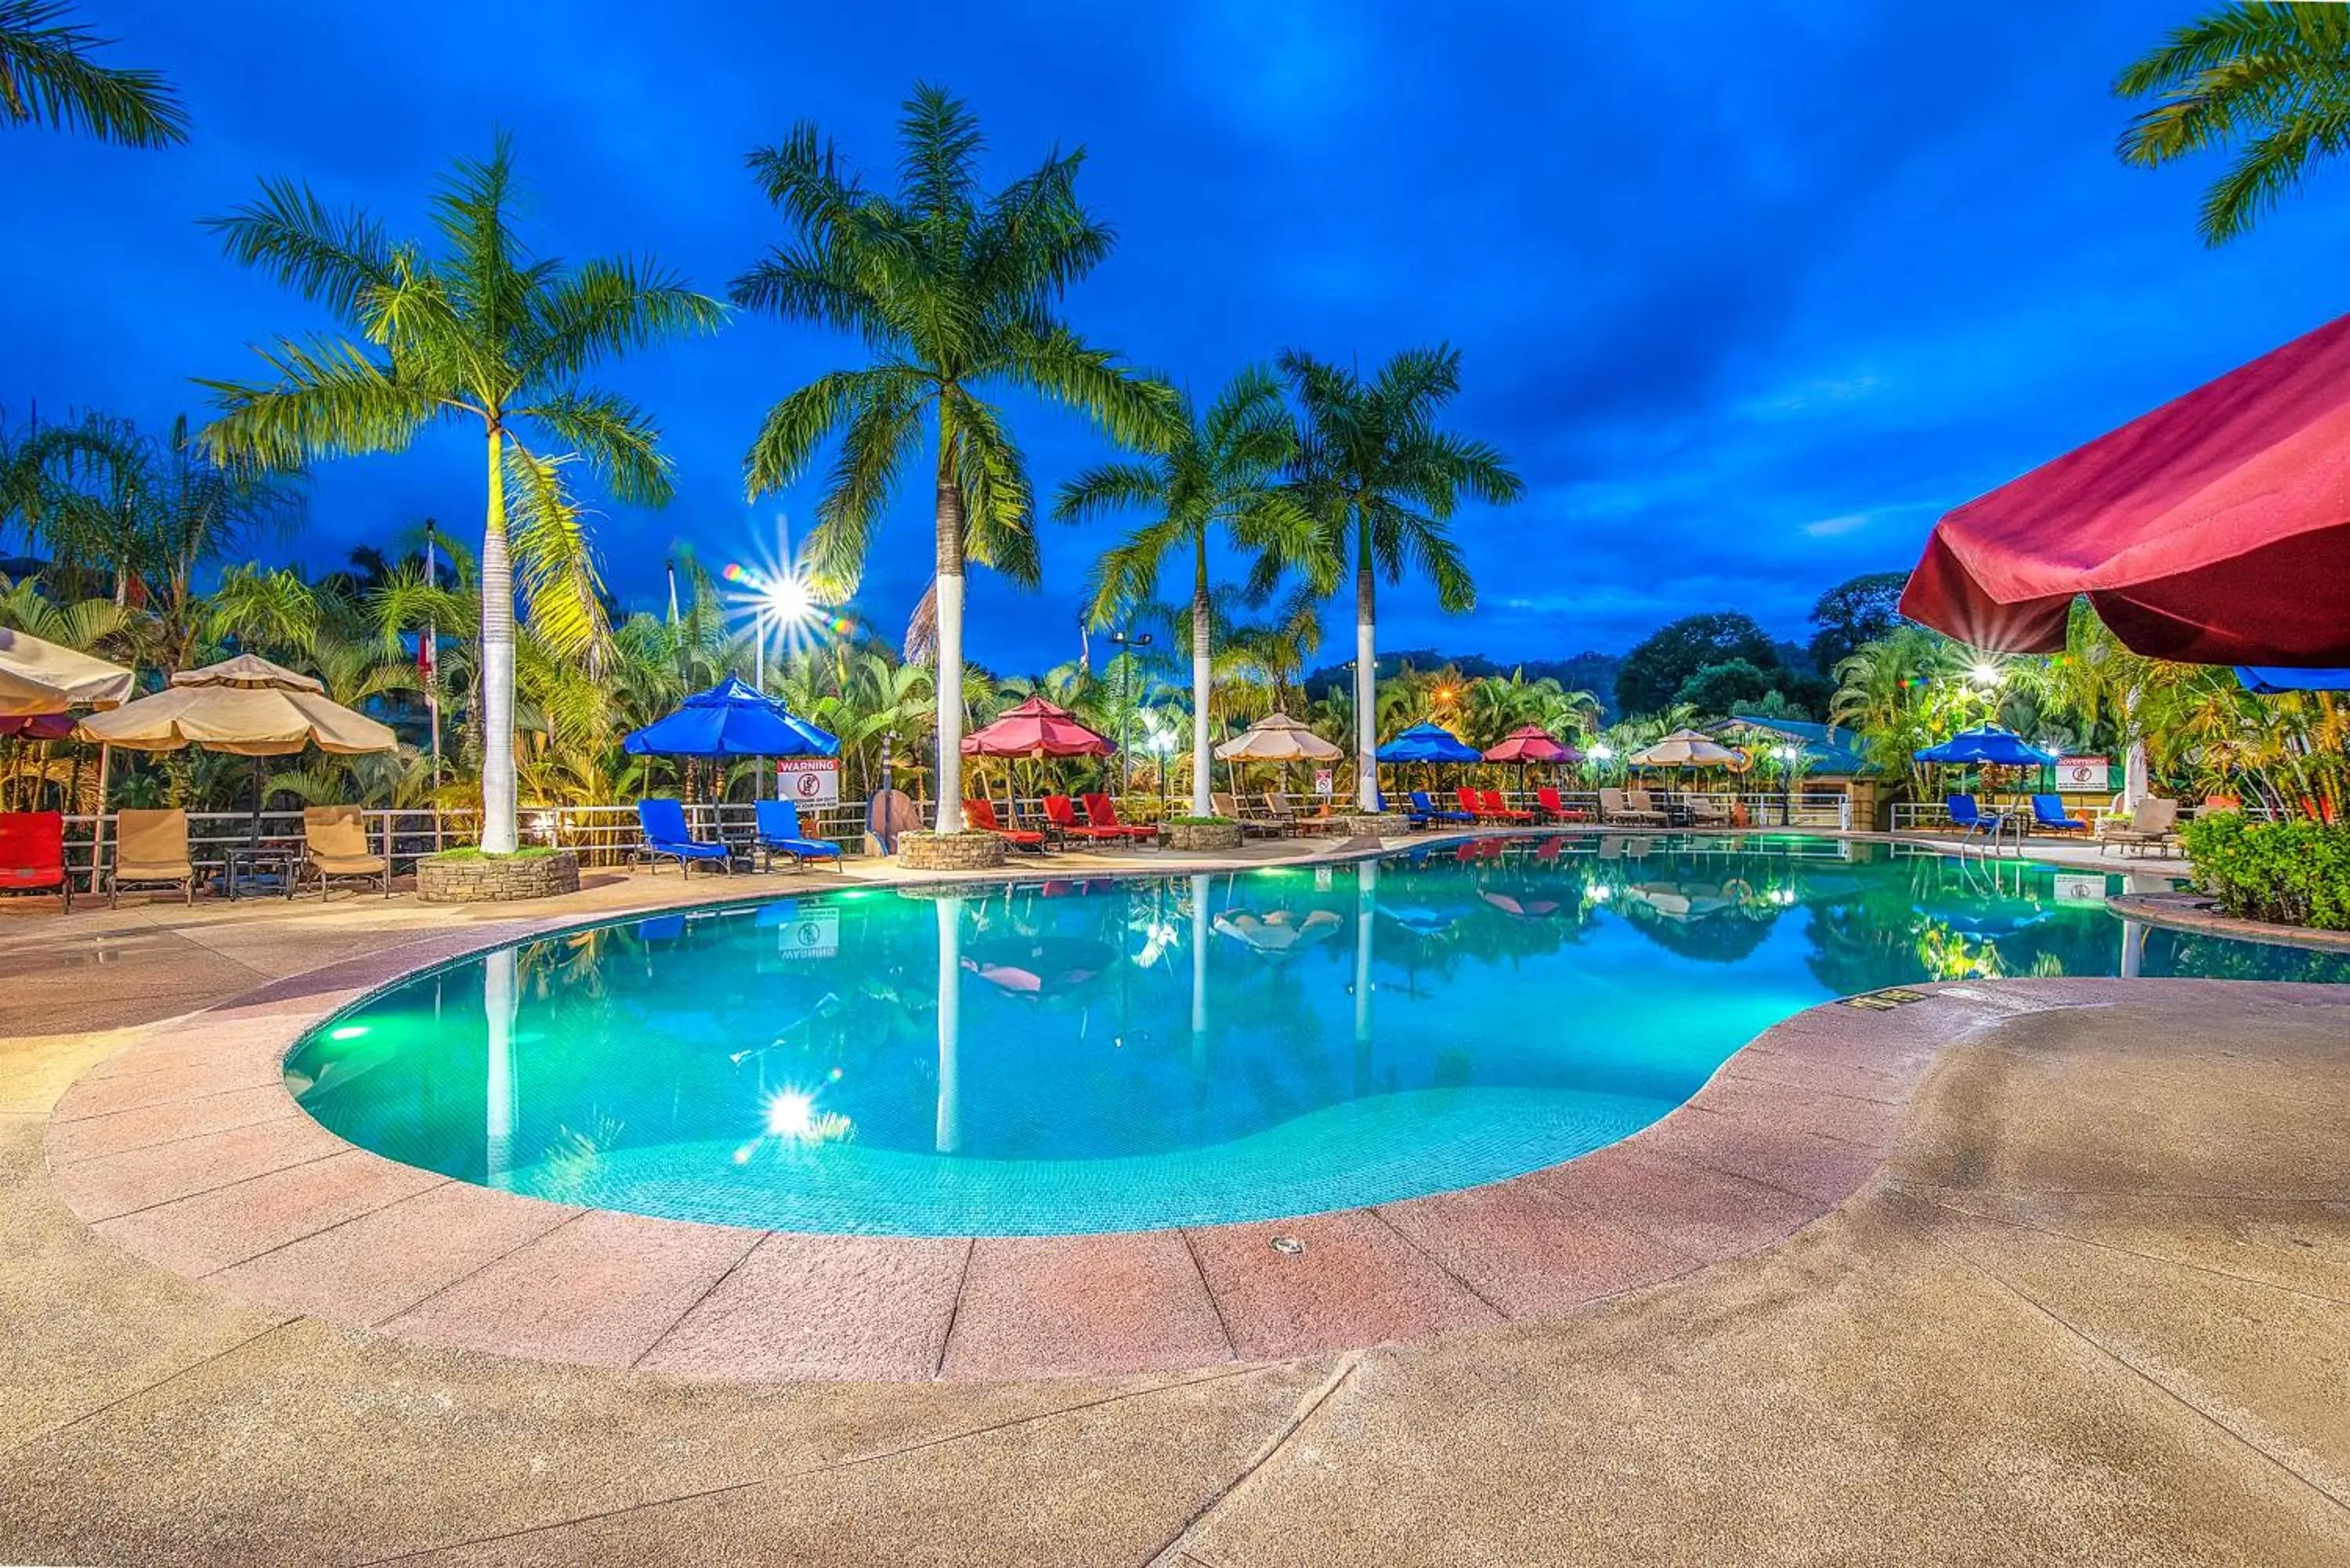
1061,1056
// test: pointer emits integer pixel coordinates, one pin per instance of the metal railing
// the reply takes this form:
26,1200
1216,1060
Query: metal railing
1703,808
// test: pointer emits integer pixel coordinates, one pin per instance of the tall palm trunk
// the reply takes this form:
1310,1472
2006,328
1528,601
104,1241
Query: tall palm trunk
1201,806
1366,706
950,694
497,665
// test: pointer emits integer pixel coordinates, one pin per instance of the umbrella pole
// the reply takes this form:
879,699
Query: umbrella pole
255,836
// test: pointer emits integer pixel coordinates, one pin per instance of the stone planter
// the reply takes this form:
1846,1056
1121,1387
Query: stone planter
1201,836
495,878
950,851
1387,825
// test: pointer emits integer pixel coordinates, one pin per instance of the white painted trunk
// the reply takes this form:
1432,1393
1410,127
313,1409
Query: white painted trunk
1367,720
949,1119
500,992
1202,755
498,836
2134,785
950,775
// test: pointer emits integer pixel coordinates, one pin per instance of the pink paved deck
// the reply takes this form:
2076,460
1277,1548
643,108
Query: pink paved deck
187,1150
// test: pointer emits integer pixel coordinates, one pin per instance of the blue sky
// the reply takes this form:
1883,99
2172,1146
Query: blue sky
1750,299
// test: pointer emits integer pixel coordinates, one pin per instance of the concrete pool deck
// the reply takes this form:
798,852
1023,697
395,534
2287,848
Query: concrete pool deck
2088,1302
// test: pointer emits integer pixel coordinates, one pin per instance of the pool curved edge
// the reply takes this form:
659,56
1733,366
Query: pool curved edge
187,1150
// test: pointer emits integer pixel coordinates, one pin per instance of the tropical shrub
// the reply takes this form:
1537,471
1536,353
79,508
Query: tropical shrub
2293,872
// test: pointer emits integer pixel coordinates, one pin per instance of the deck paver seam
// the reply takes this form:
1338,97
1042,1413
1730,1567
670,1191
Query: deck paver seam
156,1105
2107,1353
21,1444
219,1186
1191,1247
848,1462
1305,1410
955,1310
326,1230
2055,1234
290,1112
429,1297
1501,1314
731,1271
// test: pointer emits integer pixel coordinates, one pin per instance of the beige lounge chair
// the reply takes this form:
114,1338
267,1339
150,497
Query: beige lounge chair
2154,826
151,850
1226,806
1615,806
1291,819
335,844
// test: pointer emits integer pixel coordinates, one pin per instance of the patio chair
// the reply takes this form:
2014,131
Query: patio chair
1615,806
2048,811
1101,811
1304,823
1498,808
663,822
1228,805
1708,811
335,846
1061,817
151,850
1970,819
2153,826
980,814
1550,805
778,824
1425,807
33,852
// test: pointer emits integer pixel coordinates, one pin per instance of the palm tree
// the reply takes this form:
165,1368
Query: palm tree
2270,81
486,334
1220,471
955,293
1383,479
46,75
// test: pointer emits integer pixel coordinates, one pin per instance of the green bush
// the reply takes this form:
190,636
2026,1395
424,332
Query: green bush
2293,872
1201,821
527,852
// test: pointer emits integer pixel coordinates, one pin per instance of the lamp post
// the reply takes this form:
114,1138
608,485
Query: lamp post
1129,640
1786,756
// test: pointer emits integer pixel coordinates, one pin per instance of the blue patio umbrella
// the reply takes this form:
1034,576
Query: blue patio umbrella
1429,744
2001,748
730,720
2267,680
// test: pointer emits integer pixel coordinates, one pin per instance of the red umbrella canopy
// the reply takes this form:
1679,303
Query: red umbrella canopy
1035,729
1530,743
2215,530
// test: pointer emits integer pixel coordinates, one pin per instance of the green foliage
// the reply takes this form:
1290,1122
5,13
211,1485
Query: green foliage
48,78
2271,82
1717,688
526,852
1857,610
1653,671
1201,821
2292,872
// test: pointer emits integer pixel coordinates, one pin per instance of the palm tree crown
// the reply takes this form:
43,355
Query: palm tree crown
46,76
1221,471
954,293
1383,479
2273,81
486,334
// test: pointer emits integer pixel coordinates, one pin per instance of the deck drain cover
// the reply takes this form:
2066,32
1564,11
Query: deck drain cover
1288,1246
1896,997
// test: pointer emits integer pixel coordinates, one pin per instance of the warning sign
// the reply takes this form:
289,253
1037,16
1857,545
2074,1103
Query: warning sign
810,780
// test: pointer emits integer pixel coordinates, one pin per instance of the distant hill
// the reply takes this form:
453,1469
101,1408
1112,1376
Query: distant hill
1593,672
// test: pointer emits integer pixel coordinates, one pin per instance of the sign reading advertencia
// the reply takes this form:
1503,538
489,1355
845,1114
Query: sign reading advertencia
2083,776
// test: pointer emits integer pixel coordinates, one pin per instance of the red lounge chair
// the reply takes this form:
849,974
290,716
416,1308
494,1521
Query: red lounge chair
1557,809
1501,810
1062,813
1102,812
980,814
1470,803
33,852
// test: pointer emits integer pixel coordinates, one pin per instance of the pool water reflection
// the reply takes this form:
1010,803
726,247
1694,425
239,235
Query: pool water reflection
1058,1056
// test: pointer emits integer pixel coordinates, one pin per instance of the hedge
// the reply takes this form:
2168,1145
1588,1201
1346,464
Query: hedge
2290,873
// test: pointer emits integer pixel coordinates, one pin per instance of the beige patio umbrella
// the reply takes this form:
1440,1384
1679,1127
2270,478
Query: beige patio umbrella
1686,748
1276,738
38,678
245,706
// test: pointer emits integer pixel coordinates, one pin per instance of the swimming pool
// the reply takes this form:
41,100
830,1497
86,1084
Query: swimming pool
1056,1057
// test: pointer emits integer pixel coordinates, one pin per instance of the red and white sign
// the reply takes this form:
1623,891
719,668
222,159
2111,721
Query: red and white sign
809,780
2082,776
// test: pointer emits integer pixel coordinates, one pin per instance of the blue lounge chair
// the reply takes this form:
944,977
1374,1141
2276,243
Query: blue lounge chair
1422,806
1971,819
779,833
667,837
2048,811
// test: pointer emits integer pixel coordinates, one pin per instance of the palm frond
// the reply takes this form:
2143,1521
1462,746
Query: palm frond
48,78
